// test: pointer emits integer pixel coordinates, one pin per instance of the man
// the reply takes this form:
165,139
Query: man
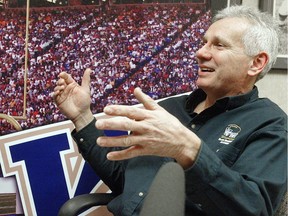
231,144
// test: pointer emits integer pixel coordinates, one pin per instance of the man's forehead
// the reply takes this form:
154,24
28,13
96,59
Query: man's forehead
227,27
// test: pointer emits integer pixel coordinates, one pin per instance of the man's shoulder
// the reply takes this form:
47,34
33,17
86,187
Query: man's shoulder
176,106
174,101
270,107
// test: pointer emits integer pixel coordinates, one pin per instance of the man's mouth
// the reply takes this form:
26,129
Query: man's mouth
204,69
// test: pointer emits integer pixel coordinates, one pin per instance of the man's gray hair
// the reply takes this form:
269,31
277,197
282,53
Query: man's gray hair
262,35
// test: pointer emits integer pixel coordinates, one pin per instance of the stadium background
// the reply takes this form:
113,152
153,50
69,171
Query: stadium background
127,44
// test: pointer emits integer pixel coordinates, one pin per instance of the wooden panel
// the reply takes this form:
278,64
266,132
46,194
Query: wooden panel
7,203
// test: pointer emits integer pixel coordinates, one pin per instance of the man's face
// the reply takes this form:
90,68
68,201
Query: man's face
223,65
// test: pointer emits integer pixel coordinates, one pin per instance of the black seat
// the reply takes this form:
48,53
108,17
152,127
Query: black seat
80,203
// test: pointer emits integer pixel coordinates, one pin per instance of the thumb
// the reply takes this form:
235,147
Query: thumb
147,101
86,78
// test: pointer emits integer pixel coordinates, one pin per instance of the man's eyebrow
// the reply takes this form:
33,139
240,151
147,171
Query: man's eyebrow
222,40
217,38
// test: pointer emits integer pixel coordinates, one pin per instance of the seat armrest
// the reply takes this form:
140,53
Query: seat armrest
80,203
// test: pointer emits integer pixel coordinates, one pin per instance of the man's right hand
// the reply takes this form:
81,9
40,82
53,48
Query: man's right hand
74,100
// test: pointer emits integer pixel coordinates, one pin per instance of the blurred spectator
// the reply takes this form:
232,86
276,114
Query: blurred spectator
152,47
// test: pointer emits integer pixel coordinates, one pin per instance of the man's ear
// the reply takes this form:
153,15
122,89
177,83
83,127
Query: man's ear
258,63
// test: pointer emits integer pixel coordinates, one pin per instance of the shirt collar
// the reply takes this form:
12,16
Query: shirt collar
225,103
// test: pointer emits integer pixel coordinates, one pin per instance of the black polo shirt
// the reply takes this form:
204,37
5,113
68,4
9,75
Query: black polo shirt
241,168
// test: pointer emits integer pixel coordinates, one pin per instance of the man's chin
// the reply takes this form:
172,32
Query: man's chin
201,83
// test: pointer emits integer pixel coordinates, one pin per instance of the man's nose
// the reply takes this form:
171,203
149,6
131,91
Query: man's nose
204,52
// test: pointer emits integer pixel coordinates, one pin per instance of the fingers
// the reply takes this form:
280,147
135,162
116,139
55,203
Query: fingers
128,153
125,141
119,141
63,81
119,123
66,78
60,86
134,112
147,101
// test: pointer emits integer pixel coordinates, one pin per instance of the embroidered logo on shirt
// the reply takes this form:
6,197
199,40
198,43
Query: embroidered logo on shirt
229,134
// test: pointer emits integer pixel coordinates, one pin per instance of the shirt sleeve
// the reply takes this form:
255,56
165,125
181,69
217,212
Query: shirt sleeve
96,156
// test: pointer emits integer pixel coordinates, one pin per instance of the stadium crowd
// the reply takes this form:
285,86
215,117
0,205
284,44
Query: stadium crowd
152,47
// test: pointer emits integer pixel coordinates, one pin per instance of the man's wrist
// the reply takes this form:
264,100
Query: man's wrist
190,152
83,120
